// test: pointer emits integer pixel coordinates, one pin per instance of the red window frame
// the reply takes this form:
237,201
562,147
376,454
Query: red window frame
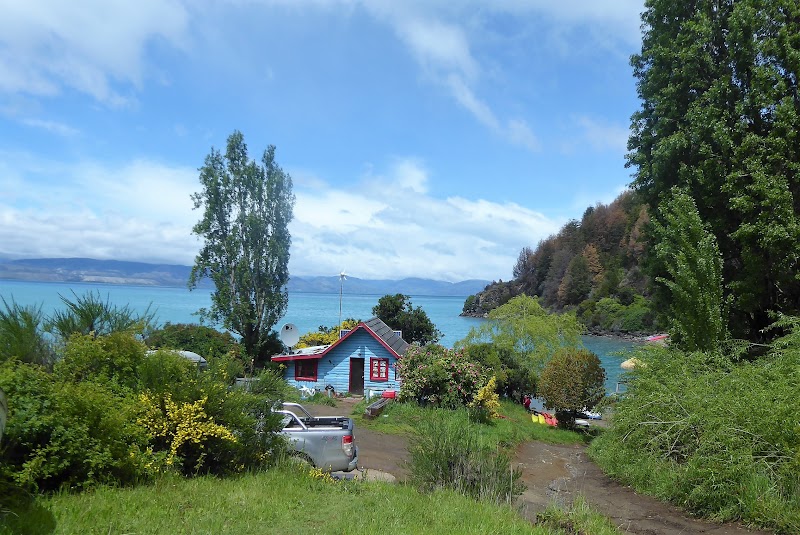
308,367
378,369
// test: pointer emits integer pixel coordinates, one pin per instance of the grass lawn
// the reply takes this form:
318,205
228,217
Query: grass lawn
514,428
287,499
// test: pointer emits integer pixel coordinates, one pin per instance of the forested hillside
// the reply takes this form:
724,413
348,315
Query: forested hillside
592,266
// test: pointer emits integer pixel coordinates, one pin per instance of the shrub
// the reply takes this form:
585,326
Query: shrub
486,403
89,314
166,371
610,314
183,430
571,381
242,412
447,453
440,376
63,434
326,335
114,357
716,434
22,335
201,339
513,377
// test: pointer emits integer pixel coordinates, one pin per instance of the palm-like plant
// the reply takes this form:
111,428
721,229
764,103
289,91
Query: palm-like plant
22,334
90,314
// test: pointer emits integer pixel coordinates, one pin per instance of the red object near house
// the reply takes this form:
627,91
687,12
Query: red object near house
549,419
391,394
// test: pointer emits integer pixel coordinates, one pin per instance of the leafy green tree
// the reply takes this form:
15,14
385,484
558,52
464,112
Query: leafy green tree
247,207
513,378
692,259
523,328
397,312
573,380
718,82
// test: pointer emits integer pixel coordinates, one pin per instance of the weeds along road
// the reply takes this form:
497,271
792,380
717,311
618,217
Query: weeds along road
552,473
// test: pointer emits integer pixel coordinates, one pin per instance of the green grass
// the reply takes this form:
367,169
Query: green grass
514,428
283,500
579,519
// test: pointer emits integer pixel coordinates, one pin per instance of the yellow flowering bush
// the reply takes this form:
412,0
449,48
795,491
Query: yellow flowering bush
486,403
184,430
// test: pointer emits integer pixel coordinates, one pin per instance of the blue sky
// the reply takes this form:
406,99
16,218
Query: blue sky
427,138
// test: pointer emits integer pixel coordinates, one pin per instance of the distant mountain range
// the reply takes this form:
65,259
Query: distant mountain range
144,274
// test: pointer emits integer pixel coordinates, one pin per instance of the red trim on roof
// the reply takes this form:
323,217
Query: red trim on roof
361,325
282,358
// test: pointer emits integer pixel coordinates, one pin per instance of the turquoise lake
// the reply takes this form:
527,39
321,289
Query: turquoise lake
306,310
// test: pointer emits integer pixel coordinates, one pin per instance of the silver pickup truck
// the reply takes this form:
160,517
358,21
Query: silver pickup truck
327,441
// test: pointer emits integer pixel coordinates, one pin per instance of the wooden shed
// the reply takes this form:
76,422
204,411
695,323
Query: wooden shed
363,359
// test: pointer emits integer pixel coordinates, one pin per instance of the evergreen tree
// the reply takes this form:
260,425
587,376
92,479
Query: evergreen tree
692,259
718,81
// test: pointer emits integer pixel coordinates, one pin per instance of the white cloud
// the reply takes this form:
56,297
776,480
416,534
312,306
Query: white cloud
385,231
96,47
386,226
438,46
137,211
603,135
54,127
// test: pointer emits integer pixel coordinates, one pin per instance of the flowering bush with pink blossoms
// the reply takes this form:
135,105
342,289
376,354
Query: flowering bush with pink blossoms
439,376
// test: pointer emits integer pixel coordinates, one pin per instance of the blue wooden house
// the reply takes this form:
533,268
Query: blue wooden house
364,359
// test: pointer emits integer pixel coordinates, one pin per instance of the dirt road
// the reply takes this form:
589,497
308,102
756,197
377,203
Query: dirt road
552,473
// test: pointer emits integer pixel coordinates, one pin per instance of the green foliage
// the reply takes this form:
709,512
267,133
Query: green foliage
64,434
165,371
718,438
692,259
397,312
88,314
111,358
439,376
577,282
571,381
447,453
21,334
200,339
512,377
718,84
523,328
579,518
586,260
609,314
110,413
284,500
469,304
247,208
